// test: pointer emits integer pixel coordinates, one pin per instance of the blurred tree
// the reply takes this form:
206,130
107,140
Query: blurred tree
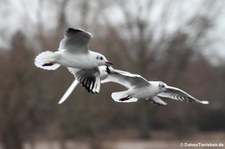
21,113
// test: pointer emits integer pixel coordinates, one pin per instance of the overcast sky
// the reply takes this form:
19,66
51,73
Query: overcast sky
25,15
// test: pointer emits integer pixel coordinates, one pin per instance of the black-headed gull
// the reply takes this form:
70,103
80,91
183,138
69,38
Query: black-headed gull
73,52
140,88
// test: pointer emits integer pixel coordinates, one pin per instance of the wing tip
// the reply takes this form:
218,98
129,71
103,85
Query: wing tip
68,92
60,102
92,86
71,31
205,102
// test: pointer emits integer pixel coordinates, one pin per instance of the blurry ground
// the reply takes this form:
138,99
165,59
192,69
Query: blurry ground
167,141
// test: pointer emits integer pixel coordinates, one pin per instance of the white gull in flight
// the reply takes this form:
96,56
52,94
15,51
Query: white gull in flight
140,88
74,53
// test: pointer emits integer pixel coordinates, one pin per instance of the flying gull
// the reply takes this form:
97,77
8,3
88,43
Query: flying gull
74,53
140,88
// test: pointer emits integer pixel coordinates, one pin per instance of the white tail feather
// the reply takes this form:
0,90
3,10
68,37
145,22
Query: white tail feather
46,58
69,91
129,100
116,96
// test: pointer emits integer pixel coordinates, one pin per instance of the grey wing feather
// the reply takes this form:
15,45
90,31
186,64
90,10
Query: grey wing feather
88,78
178,94
158,101
73,70
126,79
75,40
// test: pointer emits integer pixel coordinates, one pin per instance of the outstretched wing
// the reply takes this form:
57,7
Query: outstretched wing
75,41
178,94
88,78
124,78
69,91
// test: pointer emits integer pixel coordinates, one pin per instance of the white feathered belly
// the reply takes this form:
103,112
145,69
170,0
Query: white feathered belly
144,92
75,61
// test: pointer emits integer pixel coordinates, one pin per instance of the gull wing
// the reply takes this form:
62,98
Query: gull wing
124,78
69,91
158,101
75,41
178,94
88,78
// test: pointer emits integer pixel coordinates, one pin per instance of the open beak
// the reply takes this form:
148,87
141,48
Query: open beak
109,63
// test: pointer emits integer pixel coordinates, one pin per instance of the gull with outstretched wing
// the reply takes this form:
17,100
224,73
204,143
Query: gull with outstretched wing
140,88
74,53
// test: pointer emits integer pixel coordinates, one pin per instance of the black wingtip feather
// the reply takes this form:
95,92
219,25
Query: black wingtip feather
88,83
73,31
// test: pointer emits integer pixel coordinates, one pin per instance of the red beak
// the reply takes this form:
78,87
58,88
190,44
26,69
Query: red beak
109,63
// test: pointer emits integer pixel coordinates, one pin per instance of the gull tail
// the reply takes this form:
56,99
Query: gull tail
69,91
123,97
46,60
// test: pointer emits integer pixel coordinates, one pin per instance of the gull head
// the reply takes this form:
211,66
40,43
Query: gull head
158,86
101,60
161,85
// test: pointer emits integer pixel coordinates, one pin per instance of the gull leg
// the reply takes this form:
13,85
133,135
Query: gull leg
48,64
124,99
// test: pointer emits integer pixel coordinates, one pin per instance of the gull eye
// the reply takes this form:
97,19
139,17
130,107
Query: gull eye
101,58
162,85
